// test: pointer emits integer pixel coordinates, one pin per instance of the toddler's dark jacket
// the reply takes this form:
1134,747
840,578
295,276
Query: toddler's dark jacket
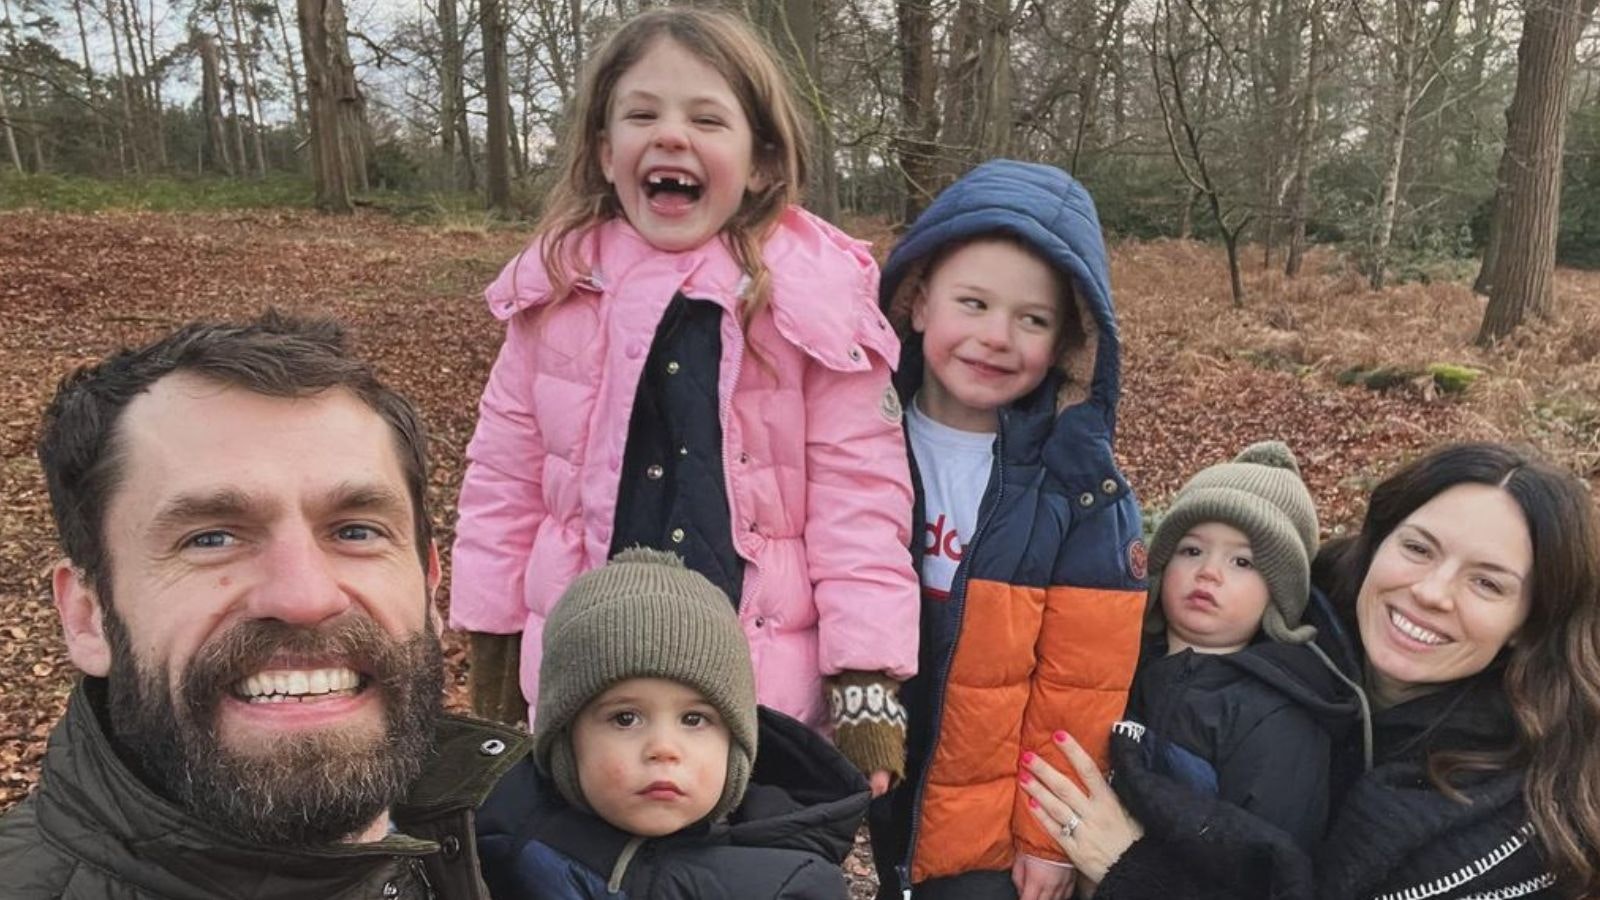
1225,761
1255,727
787,840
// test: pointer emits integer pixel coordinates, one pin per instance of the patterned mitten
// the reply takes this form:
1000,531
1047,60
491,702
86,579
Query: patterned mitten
869,722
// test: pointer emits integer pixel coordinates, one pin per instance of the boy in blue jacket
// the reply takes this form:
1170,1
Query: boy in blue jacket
645,781
1031,560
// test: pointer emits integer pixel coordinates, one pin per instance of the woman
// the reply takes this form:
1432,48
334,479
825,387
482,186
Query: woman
1473,590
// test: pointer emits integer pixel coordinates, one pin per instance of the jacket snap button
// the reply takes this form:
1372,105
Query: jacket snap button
390,889
1109,486
1086,499
761,621
492,747
635,351
744,458
855,354
653,473
677,535
683,451
450,847
672,367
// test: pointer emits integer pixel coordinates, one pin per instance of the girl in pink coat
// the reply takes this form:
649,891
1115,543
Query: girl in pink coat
694,363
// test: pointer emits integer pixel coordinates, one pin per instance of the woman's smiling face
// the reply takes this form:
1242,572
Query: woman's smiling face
1447,590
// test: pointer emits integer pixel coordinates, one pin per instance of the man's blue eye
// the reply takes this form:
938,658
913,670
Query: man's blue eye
211,540
357,533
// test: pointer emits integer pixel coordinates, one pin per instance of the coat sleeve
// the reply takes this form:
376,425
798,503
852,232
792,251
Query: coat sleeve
1087,649
1198,845
858,523
1279,771
502,495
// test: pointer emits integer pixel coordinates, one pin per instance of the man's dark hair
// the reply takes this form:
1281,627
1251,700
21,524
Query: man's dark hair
277,355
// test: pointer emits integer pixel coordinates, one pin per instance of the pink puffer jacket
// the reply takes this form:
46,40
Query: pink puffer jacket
815,461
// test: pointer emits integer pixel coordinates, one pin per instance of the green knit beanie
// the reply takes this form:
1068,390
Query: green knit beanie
1259,493
643,615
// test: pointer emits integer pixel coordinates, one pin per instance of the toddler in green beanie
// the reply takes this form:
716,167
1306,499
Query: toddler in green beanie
644,778
1233,697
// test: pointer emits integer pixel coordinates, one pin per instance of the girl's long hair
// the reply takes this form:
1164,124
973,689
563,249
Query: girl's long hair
583,198
1552,665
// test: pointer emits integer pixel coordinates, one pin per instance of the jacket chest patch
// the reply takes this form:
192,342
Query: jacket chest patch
889,406
1138,559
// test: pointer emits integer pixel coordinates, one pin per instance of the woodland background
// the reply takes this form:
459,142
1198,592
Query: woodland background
1333,222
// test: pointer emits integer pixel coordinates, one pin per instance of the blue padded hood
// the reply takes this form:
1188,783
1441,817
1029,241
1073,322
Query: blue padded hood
1051,212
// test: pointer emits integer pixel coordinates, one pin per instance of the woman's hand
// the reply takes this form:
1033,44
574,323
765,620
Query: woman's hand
1041,879
1093,827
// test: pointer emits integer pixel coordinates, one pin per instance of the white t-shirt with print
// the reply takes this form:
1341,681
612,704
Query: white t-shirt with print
954,466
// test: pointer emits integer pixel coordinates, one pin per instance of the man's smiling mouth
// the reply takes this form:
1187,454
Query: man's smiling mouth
299,685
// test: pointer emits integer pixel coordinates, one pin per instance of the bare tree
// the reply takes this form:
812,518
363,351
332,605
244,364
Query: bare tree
791,26
11,137
296,87
452,105
245,56
1406,41
211,99
1528,196
497,96
1170,53
5,108
915,142
320,22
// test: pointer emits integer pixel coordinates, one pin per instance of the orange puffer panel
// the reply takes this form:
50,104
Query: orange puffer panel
1029,662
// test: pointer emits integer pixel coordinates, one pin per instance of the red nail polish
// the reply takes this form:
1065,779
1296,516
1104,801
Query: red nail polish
1060,736
1025,776
1032,803
1027,757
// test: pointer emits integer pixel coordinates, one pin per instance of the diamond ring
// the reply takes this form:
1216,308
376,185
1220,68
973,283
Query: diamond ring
1071,826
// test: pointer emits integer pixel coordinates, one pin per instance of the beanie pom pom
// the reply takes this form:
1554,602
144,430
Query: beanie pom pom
1270,453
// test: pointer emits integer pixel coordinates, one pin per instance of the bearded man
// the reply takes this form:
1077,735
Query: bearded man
248,590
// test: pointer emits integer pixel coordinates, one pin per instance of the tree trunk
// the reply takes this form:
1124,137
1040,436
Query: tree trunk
296,86
915,148
127,137
89,89
498,108
994,81
1522,282
958,135
141,53
450,96
329,168
791,26
252,99
230,84
352,104
211,100
1405,50
1305,144
11,136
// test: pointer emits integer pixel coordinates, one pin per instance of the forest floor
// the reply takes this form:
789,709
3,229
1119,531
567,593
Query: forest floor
1201,378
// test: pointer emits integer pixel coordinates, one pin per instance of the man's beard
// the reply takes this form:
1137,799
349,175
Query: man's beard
302,790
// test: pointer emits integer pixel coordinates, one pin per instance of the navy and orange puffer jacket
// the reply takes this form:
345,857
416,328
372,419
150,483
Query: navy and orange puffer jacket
1041,628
